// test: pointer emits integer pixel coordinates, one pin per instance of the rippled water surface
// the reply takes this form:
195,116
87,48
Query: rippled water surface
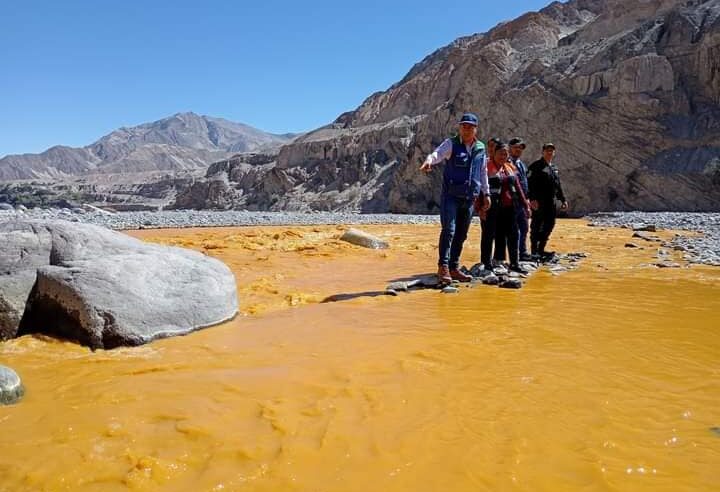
603,378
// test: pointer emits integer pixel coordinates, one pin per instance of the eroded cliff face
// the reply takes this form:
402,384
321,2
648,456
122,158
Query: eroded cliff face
629,91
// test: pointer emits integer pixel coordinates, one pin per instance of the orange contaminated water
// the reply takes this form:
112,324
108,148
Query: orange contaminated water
600,379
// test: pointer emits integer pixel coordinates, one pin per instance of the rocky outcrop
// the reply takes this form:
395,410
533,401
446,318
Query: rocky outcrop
184,141
629,91
103,288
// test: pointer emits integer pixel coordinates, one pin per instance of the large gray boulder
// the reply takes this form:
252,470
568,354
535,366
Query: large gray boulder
104,288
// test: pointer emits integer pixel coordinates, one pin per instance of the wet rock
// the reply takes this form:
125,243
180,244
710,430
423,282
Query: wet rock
397,286
360,238
511,283
429,281
630,245
491,279
106,289
645,236
391,292
418,282
645,228
449,289
667,264
6,206
11,388
715,430
478,270
500,270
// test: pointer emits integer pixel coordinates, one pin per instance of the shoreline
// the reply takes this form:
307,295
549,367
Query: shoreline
702,248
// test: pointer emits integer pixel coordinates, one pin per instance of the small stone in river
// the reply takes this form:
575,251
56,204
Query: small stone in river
430,281
360,238
491,279
11,388
391,292
403,286
646,228
478,270
450,290
667,264
630,245
511,283
645,236
715,430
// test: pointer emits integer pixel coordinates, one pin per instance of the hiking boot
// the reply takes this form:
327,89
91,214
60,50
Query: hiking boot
444,274
518,269
456,274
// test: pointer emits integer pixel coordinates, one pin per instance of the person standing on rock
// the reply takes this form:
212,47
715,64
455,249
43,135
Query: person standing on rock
500,222
545,187
517,146
464,181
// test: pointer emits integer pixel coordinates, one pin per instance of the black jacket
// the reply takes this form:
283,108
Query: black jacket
544,183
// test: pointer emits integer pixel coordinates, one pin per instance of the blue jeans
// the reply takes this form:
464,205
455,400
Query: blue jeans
522,222
455,217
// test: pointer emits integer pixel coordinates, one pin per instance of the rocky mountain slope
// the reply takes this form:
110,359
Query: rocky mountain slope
184,141
628,90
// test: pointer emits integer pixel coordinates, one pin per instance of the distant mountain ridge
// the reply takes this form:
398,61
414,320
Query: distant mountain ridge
628,90
180,142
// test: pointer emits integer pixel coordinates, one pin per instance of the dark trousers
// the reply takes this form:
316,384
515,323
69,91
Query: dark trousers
543,222
522,223
455,216
500,227
506,234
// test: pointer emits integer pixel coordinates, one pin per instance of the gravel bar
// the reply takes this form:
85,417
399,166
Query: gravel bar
703,248
700,249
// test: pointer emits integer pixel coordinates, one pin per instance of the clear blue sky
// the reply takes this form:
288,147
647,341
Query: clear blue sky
72,71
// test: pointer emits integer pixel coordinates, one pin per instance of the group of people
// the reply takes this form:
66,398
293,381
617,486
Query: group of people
505,192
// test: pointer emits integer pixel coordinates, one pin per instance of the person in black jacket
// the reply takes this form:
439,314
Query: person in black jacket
544,187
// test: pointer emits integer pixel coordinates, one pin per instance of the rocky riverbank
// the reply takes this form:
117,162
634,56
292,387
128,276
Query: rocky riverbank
179,219
701,248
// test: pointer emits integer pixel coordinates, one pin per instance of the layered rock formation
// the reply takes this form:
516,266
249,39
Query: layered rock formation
181,142
629,91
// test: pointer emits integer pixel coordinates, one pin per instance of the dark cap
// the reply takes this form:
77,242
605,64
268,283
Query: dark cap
517,141
495,140
469,118
549,146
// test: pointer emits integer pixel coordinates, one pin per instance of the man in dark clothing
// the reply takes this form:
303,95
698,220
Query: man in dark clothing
544,187
464,181
517,146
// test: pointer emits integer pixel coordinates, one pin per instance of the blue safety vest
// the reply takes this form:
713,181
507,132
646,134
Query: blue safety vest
461,176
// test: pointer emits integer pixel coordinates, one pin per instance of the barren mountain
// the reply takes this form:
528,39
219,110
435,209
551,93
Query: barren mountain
184,141
628,90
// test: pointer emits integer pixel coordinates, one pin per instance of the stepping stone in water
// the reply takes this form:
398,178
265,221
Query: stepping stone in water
11,388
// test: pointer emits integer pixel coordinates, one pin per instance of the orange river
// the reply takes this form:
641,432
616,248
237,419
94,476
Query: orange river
599,379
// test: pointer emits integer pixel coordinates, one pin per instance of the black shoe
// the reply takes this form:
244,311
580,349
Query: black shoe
526,257
518,269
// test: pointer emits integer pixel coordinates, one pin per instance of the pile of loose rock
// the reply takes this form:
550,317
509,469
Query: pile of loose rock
701,248
499,276
209,218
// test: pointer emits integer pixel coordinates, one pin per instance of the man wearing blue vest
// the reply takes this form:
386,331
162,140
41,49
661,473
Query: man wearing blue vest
464,181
